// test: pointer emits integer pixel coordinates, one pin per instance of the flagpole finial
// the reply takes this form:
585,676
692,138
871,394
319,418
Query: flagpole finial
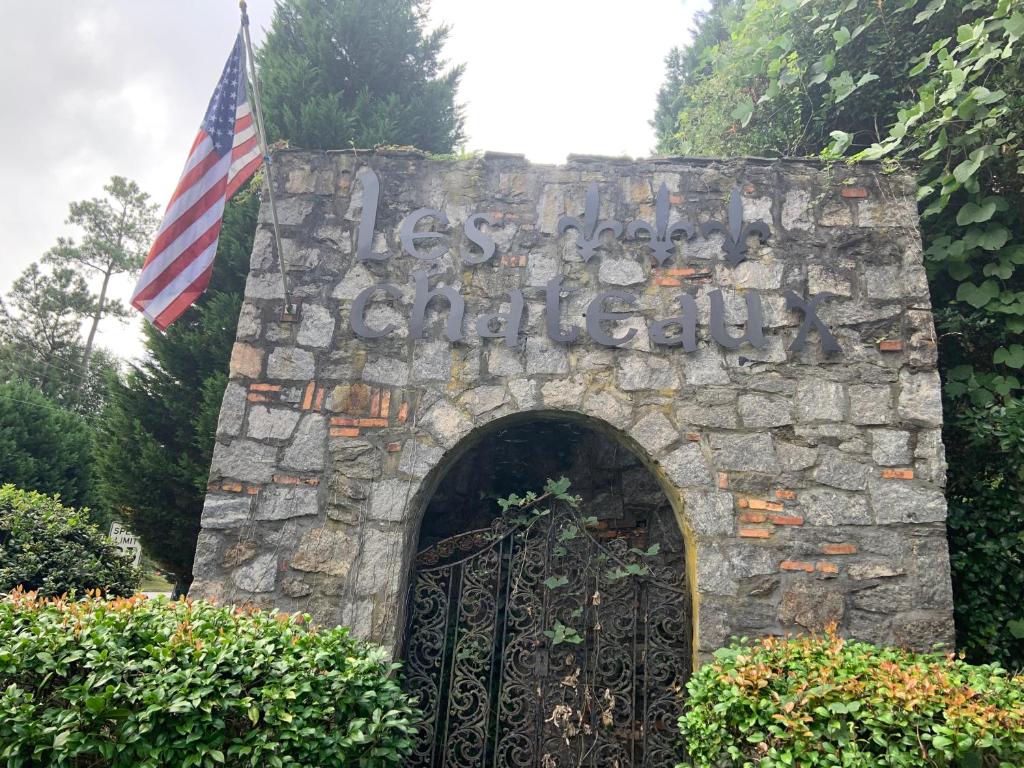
245,12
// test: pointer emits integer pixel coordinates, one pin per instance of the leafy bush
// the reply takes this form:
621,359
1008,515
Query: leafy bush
146,683
54,549
825,701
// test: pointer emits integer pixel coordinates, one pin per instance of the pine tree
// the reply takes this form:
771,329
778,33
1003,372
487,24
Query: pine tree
115,237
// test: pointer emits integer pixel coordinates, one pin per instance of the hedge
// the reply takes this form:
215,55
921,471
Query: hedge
816,701
145,683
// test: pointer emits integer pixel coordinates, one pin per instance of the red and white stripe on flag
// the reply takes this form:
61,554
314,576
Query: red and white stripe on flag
225,154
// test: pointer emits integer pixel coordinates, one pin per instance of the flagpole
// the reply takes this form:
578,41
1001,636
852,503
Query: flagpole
262,136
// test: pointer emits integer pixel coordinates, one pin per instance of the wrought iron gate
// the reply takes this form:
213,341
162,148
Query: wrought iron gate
538,646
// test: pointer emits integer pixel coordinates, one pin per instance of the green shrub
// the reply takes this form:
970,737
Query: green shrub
53,549
145,683
823,701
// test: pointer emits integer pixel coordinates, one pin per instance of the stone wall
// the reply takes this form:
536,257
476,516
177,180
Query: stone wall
807,484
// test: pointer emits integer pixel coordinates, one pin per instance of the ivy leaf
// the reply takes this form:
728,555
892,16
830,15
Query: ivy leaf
1003,270
1016,627
930,10
743,111
977,295
994,237
557,487
554,582
867,77
972,213
842,86
1012,357
841,36
1014,26
841,141
966,169
959,270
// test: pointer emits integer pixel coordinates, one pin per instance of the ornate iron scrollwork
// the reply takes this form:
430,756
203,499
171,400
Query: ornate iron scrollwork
500,688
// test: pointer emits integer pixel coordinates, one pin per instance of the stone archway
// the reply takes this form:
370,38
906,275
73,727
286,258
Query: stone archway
810,476
550,634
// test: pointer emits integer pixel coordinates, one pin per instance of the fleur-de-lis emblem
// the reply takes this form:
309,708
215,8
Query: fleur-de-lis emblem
591,227
735,245
662,232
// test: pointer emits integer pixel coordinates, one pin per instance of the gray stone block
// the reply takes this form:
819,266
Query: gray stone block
291,363
226,511
710,513
901,501
654,432
271,423
753,452
316,328
837,470
920,400
826,508
686,466
232,410
245,460
870,404
306,452
282,502
820,400
765,411
258,575
891,447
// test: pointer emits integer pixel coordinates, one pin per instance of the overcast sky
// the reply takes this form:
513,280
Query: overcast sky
93,88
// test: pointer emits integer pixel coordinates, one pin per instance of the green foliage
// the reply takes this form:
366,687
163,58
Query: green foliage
936,85
53,549
44,447
147,683
823,701
157,437
358,73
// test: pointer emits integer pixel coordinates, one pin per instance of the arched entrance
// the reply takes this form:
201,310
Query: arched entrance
553,633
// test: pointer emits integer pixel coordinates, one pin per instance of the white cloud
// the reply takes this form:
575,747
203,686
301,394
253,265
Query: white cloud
118,87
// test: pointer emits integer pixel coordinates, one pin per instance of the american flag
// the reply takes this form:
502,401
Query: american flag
223,157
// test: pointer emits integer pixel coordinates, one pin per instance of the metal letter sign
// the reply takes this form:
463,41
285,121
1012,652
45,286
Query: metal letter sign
368,218
662,236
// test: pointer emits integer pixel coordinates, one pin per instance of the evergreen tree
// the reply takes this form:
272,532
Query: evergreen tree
43,447
333,73
341,73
